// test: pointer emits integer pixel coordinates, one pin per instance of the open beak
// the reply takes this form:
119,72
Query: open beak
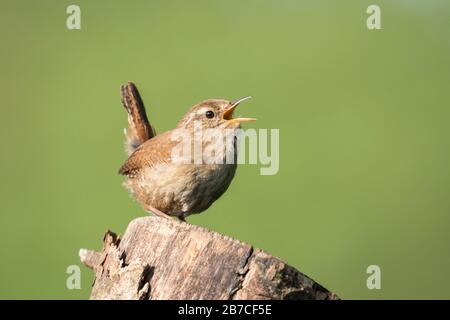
228,114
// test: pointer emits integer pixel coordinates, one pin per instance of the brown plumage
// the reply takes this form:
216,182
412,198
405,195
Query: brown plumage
139,129
164,185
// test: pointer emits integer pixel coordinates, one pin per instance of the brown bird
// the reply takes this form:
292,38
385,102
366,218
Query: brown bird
166,173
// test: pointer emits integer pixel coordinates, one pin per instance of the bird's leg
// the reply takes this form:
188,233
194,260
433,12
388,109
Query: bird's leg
157,212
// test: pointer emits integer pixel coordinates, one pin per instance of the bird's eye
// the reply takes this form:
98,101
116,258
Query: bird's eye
209,114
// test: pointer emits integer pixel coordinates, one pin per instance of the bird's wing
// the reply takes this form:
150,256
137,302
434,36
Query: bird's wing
139,128
157,150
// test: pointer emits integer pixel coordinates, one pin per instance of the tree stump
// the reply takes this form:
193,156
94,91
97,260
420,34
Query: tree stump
161,258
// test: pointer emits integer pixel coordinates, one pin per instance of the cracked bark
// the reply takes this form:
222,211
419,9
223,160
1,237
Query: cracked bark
164,259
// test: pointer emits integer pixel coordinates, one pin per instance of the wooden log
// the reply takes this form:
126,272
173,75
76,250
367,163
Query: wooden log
160,258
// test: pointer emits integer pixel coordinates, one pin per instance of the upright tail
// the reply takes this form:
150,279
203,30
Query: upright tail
139,129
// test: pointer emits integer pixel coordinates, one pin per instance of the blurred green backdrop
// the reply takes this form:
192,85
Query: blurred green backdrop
364,132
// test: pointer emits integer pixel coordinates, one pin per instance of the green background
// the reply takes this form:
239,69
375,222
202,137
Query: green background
364,132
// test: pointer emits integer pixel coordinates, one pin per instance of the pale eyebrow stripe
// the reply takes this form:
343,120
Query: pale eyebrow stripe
202,110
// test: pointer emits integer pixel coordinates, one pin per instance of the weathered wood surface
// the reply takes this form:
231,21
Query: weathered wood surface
160,258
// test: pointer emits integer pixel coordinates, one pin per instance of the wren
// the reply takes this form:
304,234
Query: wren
161,183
